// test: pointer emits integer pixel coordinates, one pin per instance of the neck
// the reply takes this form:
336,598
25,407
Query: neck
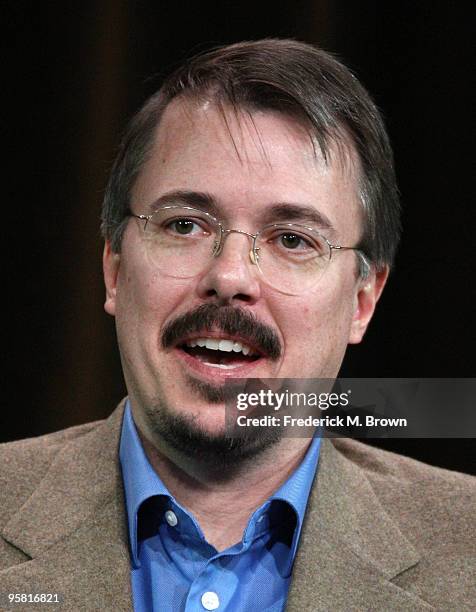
223,506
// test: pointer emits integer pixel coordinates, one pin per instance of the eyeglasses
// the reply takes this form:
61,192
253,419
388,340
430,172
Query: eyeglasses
181,242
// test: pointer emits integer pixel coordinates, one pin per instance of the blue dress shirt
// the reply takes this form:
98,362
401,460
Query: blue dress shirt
174,568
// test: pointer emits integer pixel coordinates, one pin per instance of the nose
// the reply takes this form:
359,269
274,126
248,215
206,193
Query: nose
231,277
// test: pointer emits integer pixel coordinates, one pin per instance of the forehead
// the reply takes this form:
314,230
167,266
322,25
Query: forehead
248,162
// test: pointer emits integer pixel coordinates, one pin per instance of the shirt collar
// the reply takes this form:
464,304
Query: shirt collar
141,482
295,491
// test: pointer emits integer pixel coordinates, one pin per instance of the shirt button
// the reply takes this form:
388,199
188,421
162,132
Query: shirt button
210,600
171,518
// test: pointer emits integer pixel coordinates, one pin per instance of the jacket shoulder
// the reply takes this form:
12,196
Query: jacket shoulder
385,466
428,502
24,463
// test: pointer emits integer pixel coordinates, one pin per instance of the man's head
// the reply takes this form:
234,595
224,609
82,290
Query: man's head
251,137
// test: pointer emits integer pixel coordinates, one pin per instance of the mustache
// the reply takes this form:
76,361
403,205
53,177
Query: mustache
229,319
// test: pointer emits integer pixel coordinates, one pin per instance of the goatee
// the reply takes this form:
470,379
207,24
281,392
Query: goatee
221,453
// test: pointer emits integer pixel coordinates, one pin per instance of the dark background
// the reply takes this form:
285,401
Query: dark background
75,72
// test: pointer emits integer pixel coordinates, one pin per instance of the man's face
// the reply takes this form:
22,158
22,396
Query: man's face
247,165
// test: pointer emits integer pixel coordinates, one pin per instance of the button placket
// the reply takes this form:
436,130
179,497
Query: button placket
215,578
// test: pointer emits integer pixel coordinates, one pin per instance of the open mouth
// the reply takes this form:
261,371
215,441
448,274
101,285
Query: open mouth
222,353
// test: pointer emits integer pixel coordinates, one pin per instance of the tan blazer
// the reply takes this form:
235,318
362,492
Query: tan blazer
382,532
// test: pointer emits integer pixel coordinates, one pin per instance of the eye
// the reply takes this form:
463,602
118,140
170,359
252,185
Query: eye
293,241
185,227
182,226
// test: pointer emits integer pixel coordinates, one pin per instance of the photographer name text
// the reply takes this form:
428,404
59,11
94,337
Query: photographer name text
326,421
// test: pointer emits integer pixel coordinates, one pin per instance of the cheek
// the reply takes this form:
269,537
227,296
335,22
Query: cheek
146,300
331,308
317,325
138,293
140,289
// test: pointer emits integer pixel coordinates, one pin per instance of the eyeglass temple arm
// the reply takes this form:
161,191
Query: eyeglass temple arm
129,213
364,261
145,218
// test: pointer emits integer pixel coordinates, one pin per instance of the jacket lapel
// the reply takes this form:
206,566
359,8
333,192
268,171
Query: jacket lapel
74,527
350,549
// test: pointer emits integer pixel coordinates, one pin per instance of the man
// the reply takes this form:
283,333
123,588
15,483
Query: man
250,221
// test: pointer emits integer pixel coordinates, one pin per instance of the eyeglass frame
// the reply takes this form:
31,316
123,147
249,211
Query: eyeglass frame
254,255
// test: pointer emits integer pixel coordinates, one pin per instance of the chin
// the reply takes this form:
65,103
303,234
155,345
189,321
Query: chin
202,437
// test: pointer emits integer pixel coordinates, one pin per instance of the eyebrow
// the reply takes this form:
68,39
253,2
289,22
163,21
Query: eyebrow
277,212
287,211
196,199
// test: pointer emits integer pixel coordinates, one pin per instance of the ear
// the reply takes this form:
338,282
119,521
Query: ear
110,265
368,293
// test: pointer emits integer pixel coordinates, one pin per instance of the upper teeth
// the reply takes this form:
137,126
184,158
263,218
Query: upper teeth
220,345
